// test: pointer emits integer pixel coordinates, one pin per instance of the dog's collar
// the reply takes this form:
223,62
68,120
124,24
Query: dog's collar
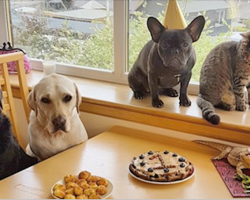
34,153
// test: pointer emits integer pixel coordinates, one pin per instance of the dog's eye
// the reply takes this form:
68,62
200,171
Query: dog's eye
45,100
67,98
165,45
185,44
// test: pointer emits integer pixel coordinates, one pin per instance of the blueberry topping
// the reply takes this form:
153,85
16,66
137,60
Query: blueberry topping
156,176
141,156
150,169
150,153
166,170
166,152
174,155
182,159
182,165
142,164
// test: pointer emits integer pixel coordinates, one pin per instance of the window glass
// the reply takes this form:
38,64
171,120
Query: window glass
78,32
224,21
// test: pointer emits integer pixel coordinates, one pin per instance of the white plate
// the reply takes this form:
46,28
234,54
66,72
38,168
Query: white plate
162,183
109,189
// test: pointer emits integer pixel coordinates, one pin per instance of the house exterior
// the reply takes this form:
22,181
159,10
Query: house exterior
214,10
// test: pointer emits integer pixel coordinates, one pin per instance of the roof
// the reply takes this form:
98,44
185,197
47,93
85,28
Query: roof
134,4
93,5
203,5
26,9
156,6
84,14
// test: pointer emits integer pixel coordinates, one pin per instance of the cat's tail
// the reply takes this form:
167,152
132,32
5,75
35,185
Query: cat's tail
208,112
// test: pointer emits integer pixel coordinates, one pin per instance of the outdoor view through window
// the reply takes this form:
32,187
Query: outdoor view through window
71,31
81,32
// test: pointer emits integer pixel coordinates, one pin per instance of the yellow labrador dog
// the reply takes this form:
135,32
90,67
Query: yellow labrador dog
55,124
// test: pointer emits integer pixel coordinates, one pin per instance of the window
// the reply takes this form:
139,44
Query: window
224,21
72,32
102,38
79,34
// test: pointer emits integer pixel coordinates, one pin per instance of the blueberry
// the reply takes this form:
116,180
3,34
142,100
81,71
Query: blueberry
150,153
150,169
166,152
174,155
142,164
156,176
166,170
181,159
141,157
182,165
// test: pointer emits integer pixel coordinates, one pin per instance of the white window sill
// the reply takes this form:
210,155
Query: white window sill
116,100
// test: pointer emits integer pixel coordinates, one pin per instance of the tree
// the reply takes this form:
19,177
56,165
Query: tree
69,3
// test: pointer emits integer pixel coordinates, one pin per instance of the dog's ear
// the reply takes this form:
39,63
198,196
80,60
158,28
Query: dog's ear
78,98
195,27
31,100
155,28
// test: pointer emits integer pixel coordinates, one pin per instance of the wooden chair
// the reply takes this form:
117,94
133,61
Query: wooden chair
8,100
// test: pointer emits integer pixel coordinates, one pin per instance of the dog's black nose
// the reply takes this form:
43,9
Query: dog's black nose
174,51
59,122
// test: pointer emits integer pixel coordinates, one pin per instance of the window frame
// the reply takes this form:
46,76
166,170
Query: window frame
117,75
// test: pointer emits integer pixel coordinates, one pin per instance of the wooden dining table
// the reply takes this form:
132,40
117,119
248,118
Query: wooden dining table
109,155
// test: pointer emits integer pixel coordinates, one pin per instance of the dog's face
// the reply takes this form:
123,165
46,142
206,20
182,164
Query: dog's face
54,99
175,46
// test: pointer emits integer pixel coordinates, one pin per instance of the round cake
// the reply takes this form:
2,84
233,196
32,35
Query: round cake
161,166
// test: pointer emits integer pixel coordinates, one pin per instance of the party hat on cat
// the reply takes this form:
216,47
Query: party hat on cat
173,18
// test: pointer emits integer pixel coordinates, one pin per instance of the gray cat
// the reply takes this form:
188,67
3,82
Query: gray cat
224,77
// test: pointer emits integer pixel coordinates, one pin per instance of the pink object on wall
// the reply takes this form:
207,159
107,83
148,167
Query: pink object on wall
12,67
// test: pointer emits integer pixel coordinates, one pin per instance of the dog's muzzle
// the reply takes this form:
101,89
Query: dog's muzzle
175,63
59,123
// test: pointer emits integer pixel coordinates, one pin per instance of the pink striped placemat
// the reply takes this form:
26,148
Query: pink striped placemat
227,173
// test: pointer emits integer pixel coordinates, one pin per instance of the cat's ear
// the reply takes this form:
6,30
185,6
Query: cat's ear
155,28
195,27
245,35
245,38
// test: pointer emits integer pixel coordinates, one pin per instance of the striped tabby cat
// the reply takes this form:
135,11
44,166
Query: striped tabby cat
224,77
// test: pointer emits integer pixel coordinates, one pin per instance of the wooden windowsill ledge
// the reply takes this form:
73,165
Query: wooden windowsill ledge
116,101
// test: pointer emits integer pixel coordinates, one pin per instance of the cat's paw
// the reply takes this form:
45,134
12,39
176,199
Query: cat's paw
241,107
138,95
170,92
184,101
157,103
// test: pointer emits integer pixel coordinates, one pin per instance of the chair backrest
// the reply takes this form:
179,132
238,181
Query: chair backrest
8,100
